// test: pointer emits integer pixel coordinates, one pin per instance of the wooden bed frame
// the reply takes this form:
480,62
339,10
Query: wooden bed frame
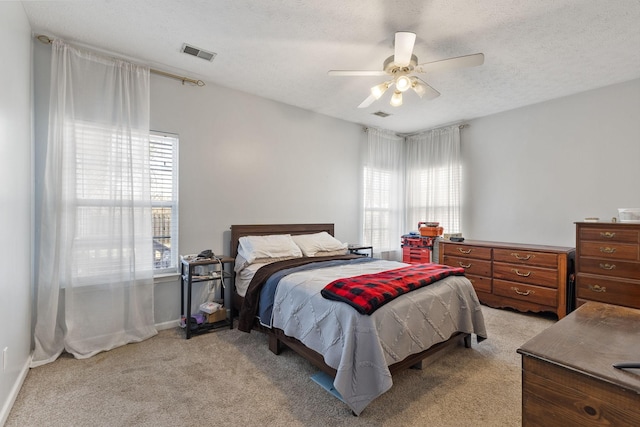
277,338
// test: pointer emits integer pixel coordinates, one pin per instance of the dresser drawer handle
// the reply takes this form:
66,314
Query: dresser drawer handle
523,258
607,235
519,292
464,265
608,250
527,274
597,288
608,266
467,252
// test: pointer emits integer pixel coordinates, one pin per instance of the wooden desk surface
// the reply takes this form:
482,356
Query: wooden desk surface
590,340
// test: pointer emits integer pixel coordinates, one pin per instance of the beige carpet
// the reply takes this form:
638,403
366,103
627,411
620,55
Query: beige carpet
230,378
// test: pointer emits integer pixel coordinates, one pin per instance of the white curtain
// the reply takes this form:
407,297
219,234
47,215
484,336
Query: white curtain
94,280
383,191
433,178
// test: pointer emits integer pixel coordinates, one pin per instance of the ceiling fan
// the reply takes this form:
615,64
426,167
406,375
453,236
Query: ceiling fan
401,67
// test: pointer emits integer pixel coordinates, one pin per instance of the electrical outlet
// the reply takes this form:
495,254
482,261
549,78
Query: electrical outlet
4,359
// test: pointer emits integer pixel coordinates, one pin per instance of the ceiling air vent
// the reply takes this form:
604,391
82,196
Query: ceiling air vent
191,50
381,114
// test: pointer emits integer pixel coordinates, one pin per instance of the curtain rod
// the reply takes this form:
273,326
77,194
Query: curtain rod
47,40
460,126
404,135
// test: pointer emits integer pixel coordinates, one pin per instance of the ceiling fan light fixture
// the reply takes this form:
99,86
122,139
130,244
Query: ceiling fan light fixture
418,87
378,90
396,99
403,83
401,67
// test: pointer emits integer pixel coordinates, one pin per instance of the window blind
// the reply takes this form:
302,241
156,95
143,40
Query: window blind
163,149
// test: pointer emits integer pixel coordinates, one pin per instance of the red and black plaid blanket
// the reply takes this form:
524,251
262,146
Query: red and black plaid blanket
369,292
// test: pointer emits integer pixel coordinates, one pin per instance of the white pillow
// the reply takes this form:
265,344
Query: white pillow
331,253
319,244
240,263
274,247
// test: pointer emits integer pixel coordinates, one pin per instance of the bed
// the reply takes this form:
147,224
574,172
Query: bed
360,351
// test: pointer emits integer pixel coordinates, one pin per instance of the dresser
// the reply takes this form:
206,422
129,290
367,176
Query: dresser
568,378
519,276
608,263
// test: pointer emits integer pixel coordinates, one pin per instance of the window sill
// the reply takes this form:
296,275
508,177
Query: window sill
165,278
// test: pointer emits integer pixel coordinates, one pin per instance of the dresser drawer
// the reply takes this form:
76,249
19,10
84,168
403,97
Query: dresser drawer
609,234
607,267
526,274
413,255
608,290
471,266
541,259
610,250
467,251
480,283
523,292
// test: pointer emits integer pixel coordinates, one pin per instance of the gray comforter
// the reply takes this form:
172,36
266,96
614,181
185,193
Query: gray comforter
361,347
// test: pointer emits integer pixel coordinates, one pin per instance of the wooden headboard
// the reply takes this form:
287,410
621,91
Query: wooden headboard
238,231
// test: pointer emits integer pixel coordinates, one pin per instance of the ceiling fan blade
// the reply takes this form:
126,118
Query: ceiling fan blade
367,101
451,63
357,73
424,90
403,48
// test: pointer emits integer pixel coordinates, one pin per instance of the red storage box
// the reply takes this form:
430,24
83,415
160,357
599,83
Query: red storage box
416,249
430,229
412,255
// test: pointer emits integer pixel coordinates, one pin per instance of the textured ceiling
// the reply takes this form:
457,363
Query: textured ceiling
535,50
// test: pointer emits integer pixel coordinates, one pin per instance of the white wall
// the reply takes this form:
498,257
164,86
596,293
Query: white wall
531,173
15,201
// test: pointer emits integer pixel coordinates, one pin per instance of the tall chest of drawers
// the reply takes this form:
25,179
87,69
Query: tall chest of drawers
608,263
519,276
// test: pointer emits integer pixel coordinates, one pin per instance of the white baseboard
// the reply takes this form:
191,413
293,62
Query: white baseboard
13,394
167,325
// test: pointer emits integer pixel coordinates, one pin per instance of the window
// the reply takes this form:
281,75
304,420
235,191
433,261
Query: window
435,197
382,190
103,197
378,210
406,181
163,149
433,175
